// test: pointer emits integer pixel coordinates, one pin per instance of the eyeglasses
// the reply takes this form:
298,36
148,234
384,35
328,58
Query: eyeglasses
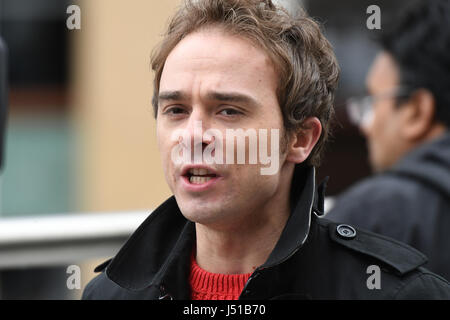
360,109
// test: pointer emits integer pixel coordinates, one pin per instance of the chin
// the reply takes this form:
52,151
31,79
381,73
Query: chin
375,166
196,211
202,217
380,165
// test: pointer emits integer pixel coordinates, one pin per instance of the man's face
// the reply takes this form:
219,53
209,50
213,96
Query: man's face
226,83
385,142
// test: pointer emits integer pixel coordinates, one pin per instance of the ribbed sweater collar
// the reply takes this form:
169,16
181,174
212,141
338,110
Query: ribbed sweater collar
215,286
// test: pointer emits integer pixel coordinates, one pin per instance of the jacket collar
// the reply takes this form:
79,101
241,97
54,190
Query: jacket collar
428,163
161,246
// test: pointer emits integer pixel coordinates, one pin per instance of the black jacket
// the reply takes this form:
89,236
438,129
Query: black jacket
311,260
410,203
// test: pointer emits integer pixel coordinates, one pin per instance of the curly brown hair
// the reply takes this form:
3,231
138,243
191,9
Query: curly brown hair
307,67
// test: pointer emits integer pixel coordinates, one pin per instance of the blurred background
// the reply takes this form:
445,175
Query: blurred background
80,133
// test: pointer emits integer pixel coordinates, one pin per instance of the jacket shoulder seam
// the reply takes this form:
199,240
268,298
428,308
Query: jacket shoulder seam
357,245
413,279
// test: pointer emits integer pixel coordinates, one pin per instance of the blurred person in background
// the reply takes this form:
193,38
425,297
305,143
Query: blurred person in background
405,120
230,232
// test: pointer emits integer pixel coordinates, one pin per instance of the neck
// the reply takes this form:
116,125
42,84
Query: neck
436,131
246,244
433,133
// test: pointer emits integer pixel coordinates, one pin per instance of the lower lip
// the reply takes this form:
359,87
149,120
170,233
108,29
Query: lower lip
199,187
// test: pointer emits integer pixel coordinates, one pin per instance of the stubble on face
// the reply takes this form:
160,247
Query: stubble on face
213,61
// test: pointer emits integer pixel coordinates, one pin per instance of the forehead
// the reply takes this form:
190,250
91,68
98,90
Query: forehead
213,57
383,73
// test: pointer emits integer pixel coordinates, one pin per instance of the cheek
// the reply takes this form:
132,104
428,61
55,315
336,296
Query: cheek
165,146
384,136
163,139
250,183
159,134
380,123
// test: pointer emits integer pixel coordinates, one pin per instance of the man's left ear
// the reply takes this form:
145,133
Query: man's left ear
303,141
419,115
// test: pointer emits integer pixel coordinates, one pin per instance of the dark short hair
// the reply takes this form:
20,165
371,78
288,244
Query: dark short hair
304,59
419,42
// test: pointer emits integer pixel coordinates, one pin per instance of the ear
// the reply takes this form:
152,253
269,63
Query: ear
418,115
303,141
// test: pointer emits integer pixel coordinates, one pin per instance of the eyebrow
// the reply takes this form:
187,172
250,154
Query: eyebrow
171,96
232,97
213,95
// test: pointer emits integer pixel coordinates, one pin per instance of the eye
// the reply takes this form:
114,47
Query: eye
230,112
175,110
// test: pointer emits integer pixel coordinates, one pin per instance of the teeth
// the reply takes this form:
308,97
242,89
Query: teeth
199,171
198,180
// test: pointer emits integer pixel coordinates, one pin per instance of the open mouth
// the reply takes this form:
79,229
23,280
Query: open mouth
199,175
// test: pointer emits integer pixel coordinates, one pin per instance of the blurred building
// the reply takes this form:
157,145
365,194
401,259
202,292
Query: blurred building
36,178
80,133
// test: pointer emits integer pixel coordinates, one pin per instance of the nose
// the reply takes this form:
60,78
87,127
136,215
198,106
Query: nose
196,125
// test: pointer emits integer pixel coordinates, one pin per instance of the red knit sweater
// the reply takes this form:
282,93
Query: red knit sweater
215,286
